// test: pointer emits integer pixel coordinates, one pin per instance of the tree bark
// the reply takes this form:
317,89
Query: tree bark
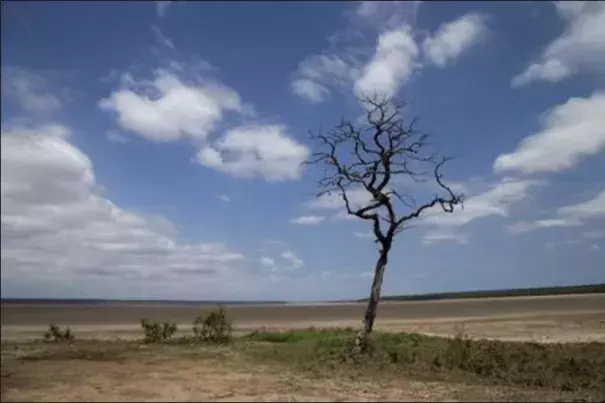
370,315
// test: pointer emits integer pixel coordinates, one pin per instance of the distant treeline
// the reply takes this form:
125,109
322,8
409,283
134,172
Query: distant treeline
53,301
516,292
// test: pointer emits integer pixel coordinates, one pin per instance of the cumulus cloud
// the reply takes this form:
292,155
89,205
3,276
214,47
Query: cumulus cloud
293,261
385,14
454,38
267,261
316,74
391,66
497,201
581,46
570,132
256,151
55,224
357,196
589,209
494,202
307,220
168,108
567,216
29,90
310,90
280,260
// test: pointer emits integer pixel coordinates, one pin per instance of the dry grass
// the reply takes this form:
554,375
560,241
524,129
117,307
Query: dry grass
307,365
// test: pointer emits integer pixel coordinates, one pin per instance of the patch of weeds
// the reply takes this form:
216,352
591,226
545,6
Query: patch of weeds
55,334
156,332
84,351
215,327
298,335
564,367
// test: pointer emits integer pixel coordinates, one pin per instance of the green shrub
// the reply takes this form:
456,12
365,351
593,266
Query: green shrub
56,335
214,327
156,332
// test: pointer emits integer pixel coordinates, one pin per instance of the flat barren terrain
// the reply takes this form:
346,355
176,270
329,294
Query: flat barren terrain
544,318
109,362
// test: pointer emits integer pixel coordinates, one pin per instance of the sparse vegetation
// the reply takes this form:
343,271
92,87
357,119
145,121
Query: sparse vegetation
156,332
214,327
56,335
563,371
560,366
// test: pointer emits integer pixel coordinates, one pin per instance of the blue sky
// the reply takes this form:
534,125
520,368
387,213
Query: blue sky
153,149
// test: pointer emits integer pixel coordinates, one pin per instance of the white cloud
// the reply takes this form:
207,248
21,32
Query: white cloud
55,224
454,38
224,198
364,235
256,150
267,261
316,74
570,132
525,226
551,245
391,66
168,108
116,137
358,197
161,6
349,63
442,236
595,247
496,201
590,209
28,90
162,39
310,90
307,220
581,46
567,216
367,8
386,15
293,261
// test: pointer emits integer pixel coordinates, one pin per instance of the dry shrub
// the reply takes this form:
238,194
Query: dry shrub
56,335
214,327
156,332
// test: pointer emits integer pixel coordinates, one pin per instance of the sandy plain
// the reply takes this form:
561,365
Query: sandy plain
543,318
168,373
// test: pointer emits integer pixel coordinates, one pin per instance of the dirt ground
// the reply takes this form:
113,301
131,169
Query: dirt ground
168,374
171,374
545,319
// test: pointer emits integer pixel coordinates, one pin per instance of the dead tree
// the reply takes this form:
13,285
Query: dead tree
371,156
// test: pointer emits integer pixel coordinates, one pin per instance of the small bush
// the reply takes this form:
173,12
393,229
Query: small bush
156,332
56,335
214,327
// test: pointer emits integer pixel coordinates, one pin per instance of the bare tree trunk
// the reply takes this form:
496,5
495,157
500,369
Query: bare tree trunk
381,264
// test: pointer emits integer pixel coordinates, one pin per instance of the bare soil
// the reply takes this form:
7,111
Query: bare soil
117,371
162,373
544,318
